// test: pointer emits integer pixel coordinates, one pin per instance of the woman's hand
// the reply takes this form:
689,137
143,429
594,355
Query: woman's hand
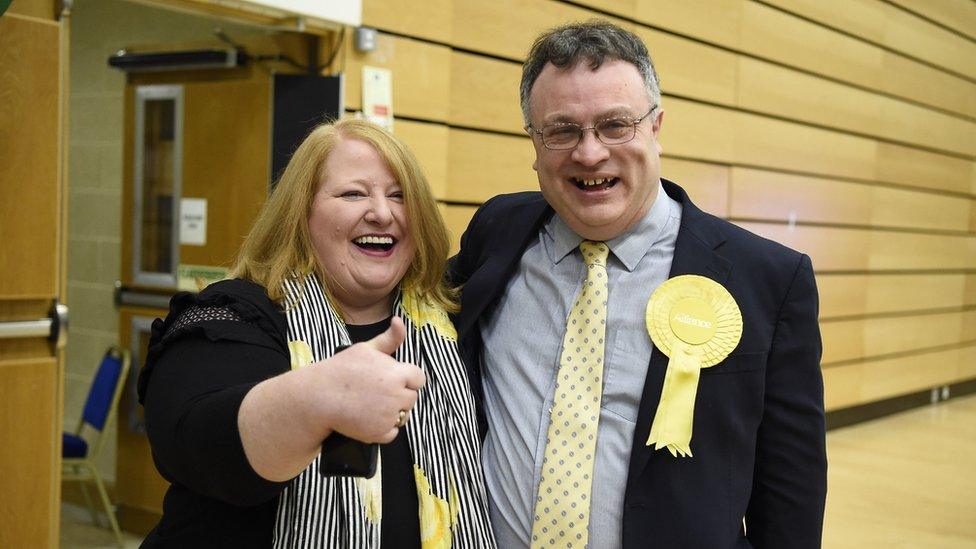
364,388
358,392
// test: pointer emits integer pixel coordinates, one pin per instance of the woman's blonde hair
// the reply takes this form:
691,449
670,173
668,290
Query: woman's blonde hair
279,245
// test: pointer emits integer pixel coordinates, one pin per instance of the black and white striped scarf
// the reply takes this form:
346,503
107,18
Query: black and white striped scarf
316,511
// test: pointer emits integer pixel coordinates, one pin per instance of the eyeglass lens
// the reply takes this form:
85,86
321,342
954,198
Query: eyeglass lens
609,132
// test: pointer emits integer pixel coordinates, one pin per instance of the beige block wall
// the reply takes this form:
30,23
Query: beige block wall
98,29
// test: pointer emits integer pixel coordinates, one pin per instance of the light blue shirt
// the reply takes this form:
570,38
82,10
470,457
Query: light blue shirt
522,345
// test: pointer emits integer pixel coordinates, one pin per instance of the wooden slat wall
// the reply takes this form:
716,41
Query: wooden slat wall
845,129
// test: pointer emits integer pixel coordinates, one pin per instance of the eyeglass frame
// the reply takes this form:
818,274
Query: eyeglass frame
582,130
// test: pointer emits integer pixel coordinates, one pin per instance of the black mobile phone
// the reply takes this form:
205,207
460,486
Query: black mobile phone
346,457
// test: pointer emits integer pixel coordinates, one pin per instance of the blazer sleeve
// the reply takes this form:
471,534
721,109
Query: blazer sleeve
466,261
790,480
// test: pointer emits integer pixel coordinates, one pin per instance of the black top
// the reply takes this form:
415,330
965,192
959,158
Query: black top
400,526
199,368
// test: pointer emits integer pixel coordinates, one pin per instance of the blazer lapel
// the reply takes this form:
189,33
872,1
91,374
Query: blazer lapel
506,246
694,253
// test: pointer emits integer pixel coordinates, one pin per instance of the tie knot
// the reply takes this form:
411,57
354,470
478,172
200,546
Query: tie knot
594,253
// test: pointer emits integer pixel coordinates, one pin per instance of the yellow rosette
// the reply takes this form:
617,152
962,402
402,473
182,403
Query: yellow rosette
696,323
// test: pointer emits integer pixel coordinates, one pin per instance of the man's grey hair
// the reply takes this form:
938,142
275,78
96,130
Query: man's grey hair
593,41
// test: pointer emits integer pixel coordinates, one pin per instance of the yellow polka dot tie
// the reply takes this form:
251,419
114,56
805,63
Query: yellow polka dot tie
562,507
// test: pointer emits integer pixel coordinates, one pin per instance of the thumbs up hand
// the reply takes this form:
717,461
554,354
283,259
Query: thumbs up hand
363,389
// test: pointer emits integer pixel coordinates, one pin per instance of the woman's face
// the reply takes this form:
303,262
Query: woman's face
359,228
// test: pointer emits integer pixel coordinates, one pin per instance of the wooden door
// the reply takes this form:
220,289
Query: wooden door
31,272
208,135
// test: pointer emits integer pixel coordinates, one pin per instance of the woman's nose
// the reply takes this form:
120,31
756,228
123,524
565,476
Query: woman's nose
379,211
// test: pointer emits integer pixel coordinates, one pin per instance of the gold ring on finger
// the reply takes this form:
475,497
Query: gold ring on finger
402,419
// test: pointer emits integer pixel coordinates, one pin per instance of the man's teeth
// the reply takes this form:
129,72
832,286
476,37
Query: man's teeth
592,182
374,240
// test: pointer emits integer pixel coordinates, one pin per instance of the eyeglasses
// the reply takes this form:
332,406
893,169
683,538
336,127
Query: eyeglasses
562,136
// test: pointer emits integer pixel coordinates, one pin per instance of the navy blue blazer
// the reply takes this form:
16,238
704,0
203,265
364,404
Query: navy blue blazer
758,441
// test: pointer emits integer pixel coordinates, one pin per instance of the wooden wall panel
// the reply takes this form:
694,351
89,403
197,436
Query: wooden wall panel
429,143
697,131
430,19
847,295
864,382
955,14
846,340
469,152
785,38
919,38
893,28
685,17
421,75
768,88
711,77
720,27
864,18
836,249
782,37
457,219
922,168
717,134
506,28
761,194
484,93
706,184
903,77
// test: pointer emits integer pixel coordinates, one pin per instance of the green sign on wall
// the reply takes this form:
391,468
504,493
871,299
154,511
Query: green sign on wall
4,4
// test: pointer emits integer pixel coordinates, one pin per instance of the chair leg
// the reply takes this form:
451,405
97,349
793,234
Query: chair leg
109,510
89,503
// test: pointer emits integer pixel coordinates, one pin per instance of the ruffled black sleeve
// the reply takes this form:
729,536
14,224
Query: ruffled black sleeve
210,351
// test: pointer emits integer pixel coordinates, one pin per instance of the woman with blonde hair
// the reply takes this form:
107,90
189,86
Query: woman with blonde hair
246,379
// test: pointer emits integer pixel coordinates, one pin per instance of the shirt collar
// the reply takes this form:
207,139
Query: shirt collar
629,248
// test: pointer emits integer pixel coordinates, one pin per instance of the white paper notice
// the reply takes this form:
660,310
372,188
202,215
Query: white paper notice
378,96
193,221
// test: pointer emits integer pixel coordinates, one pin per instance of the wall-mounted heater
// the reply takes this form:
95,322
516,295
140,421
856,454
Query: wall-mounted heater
178,60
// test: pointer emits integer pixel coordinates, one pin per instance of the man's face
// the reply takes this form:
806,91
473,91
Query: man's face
630,171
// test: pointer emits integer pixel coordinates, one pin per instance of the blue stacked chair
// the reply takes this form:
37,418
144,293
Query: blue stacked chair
80,449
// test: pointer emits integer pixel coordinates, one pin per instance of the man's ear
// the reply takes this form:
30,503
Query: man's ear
658,122
656,129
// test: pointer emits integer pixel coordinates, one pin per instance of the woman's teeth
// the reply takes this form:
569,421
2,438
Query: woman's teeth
374,242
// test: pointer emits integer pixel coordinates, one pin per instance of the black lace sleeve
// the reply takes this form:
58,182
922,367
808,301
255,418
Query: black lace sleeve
205,356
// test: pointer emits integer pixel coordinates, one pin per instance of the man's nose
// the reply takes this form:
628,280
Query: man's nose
590,151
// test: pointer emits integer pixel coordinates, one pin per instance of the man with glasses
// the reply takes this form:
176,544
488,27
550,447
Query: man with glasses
589,397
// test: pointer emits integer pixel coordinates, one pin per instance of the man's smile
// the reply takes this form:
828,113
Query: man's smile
594,184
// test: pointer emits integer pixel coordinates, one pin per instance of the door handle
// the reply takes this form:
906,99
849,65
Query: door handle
55,327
